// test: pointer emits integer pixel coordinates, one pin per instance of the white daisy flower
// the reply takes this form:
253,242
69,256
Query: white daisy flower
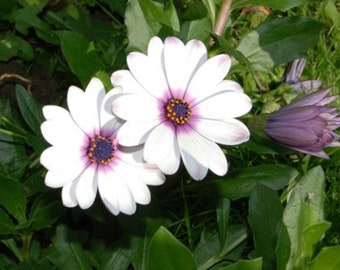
85,154
177,103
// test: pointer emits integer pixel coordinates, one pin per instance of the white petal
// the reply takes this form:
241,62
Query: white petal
152,177
225,105
58,158
155,48
86,188
118,193
217,161
193,155
59,178
148,173
128,83
181,62
63,132
226,85
108,121
136,107
209,75
55,112
159,147
137,187
228,132
108,191
68,195
85,106
148,72
135,133
170,164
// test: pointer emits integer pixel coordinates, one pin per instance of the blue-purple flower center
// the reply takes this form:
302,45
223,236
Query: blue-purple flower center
101,150
178,111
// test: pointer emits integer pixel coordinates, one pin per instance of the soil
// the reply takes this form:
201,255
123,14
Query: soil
35,80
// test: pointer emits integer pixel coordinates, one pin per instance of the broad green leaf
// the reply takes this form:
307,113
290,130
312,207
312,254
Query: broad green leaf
222,213
240,184
208,247
6,224
45,211
279,40
274,4
14,46
28,17
282,248
66,250
114,260
139,231
210,6
327,259
32,264
236,236
146,18
196,29
82,58
254,264
265,218
332,12
13,199
226,47
304,218
313,234
168,253
13,154
30,109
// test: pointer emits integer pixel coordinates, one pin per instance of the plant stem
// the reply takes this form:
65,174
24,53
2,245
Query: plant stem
222,17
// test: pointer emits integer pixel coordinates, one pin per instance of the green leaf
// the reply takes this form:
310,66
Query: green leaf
14,46
13,155
282,248
313,234
264,205
30,109
66,250
45,211
279,40
208,247
13,199
274,4
28,17
6,224
304,218
222,213
228,48
240,184
210,6
81,57
145,19
196,29
254,264
208,252
167,253
327,259
332,12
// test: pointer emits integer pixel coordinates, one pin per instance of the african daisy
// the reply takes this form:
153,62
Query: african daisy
85,155
176,102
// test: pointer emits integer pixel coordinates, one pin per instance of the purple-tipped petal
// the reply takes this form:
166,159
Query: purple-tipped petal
306,125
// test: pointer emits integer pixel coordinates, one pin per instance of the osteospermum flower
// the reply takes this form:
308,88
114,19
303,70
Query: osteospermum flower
85,154
178,104
306,125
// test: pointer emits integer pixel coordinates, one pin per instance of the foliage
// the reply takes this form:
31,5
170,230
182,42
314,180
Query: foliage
268,212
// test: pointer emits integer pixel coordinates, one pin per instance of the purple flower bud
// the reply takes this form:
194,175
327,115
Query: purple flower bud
306,125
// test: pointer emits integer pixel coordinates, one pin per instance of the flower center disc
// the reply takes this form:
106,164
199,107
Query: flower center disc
101,150
178,111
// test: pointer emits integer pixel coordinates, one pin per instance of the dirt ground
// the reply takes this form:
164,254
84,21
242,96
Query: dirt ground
35,80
